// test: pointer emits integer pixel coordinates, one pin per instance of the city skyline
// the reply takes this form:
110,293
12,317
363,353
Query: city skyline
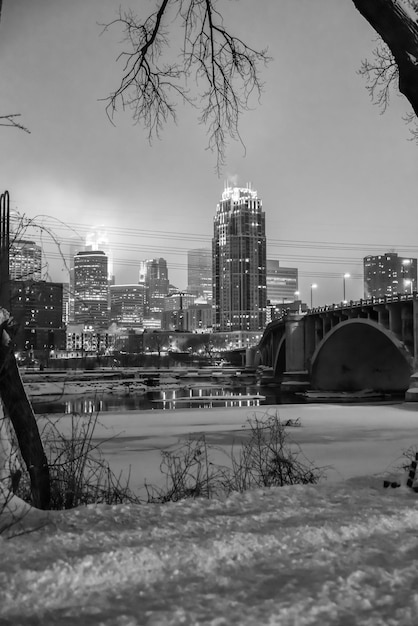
316,148
284,279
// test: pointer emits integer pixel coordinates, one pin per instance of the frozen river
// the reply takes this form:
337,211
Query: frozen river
350,440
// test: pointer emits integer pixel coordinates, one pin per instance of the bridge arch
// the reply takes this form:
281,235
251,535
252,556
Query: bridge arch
360,354
279,364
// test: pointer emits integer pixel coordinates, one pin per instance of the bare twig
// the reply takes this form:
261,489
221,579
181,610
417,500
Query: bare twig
10,120
381,74
224,68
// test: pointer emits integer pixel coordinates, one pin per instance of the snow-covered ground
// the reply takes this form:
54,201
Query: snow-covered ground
342,552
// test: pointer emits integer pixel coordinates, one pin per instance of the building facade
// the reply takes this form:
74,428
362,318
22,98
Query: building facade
175,306
25,260
91,289
282,283
127,305
36,307
199,273
239,262
389,274
153,274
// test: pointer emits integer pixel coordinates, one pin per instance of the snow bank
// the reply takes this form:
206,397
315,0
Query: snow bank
331,554
336,553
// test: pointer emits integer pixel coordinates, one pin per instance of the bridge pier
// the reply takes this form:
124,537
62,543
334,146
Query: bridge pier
295,377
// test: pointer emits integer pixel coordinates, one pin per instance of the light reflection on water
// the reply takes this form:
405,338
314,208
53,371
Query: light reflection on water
196,397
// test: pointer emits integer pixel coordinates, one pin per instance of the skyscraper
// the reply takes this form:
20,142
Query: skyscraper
91,289
388,274
199,273
239,261
154,275
25,260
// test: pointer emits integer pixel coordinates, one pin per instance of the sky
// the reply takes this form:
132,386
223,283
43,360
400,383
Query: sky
337,179
339,552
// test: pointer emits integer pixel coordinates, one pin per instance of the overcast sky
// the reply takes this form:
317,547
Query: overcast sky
329,168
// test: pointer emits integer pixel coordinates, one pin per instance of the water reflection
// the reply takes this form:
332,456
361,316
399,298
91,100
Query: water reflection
171,399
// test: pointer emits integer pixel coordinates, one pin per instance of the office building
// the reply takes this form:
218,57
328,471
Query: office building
91,289
389,274
175,306
239,262
25,260
36,307
127,305
199,273
153,274
198,318
282,283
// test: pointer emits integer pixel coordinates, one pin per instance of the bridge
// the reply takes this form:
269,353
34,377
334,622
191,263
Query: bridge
364,344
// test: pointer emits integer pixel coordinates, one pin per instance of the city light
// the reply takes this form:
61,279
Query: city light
410,283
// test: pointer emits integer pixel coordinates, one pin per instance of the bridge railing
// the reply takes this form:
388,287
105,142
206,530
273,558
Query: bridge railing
399,297
341,306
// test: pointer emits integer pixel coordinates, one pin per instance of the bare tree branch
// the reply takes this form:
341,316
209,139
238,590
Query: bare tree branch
381,74
9,120
224,68
395,23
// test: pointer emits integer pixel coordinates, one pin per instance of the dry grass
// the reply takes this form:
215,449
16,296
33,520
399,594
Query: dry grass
79,474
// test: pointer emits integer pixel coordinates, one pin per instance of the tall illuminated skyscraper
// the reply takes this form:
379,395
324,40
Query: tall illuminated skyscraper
239,261
91,289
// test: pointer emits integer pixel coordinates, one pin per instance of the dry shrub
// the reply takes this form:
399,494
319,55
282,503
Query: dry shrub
264,459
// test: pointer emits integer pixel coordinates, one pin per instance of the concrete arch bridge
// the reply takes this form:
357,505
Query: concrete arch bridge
366,344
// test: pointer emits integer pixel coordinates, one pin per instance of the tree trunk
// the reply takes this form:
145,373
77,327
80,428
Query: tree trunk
19,410
399,30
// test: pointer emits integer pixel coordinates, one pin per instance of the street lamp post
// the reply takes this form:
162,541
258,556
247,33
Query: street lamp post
345,276
406,281
313,286
297,294
410,283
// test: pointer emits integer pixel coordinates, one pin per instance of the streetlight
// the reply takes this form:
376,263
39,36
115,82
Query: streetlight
410,283
313,286
297,294
344,279
406,271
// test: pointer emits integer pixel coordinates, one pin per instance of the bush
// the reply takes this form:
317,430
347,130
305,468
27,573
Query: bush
265,459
